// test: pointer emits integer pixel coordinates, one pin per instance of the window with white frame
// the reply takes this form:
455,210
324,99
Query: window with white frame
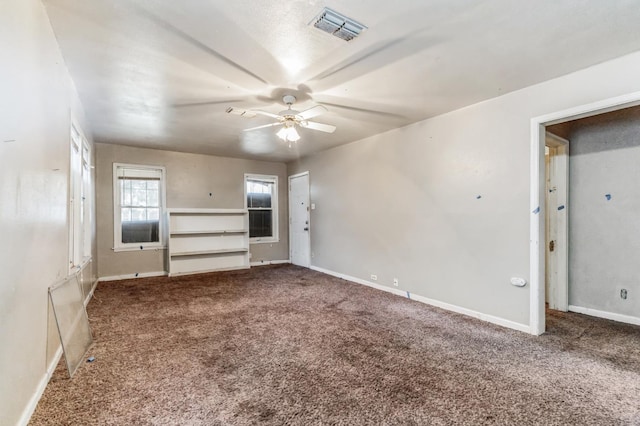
261,199
138,206
80,199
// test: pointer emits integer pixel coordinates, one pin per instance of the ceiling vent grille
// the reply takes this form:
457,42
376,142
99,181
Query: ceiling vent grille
339,25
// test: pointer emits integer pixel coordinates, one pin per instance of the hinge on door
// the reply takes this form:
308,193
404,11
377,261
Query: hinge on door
552,245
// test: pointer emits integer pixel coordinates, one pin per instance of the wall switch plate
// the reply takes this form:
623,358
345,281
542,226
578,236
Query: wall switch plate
313,206
374,277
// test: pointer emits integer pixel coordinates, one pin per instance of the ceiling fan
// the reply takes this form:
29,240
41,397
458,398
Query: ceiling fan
289,119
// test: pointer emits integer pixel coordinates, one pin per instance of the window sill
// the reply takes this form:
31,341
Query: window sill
139,247
264,240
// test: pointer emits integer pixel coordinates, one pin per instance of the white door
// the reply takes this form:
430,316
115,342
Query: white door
299,241
557,235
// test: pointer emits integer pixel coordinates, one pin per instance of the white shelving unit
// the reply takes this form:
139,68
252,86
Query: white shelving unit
205,240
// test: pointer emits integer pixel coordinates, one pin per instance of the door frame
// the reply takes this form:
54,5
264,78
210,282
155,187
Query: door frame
537,238
559,170
297,175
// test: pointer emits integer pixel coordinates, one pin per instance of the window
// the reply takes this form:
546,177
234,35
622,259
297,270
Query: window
80,199
138,206
261,197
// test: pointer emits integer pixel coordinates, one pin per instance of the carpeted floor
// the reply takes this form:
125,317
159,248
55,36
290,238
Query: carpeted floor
286,345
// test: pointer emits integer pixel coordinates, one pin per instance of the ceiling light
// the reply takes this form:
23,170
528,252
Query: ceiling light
288,134
337,24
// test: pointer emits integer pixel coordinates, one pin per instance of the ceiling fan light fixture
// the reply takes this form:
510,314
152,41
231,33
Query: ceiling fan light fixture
288,134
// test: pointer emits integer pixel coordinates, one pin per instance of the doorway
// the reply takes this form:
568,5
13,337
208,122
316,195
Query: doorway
299,220
538,200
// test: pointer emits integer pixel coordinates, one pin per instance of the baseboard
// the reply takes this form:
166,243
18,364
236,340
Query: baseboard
35,398
136,275
395,291
604,314
443,305
269,262
90,295
475,314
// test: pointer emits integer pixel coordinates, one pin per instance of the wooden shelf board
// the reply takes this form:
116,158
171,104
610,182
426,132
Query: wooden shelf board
211,212
205,232
205,252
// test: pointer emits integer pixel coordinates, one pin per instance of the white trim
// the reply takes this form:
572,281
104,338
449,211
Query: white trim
442,305
604,314
537,196
130,276
206,211
94,285
299,175
137,248
118,245
559,172
269,262
275,207
395,291
42,385
207,271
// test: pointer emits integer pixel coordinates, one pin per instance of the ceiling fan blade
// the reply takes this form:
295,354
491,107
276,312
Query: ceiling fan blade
364,110
312,112
206,103
268,114
318,126
263,126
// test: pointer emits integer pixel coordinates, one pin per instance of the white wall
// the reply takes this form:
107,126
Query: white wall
404,203
604,234
37,99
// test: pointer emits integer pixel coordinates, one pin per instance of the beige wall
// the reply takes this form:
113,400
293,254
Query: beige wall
190,179
38,99
404,204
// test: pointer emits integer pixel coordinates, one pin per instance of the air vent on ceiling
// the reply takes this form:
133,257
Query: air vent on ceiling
339,25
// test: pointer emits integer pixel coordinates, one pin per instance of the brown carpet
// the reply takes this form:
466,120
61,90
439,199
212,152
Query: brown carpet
286,345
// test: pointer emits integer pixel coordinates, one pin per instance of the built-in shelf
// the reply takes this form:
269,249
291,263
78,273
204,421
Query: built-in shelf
204,232
203,252
205,240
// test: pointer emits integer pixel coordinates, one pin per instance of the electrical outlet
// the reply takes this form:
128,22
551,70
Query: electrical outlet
395,282
313,255
374,277
623,294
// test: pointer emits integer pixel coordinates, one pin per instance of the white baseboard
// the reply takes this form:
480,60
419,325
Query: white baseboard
270,262
90,295
137,275
42,385
604,314
475,314
443,305
395,291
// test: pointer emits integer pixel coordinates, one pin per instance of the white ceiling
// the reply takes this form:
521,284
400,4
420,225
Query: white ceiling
160,73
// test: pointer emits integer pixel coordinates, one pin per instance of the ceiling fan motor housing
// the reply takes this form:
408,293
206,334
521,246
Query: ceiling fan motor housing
289,99
288,114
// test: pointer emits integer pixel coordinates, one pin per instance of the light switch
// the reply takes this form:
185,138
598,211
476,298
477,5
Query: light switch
313,206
